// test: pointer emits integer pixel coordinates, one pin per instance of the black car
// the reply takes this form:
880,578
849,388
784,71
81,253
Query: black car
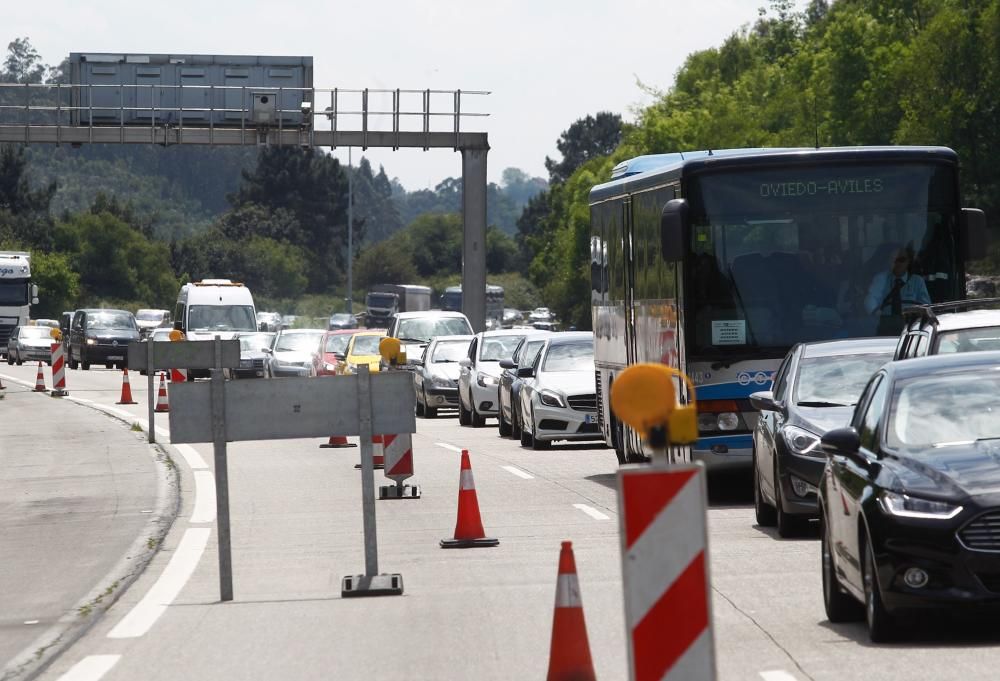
341,320
910,495
509,412
101,337
815,389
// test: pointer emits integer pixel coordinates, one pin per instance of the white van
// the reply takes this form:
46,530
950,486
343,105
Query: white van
214,307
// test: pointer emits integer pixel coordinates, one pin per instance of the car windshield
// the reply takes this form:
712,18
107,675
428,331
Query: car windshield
969,340
149,315
496,348
426,328
366,345
111,320
569,357
942,410
292,342
450,351
256,341
222,317
337,343
35,332
837,380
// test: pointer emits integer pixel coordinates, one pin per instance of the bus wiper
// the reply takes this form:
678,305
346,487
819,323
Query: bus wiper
821,404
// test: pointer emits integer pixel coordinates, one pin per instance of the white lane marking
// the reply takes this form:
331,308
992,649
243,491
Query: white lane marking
79,399
518,472
143,616
119,412
592,512
191,457
204,497
163,432
448,446
777,675
91,668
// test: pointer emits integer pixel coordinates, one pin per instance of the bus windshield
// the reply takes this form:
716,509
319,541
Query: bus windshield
781,256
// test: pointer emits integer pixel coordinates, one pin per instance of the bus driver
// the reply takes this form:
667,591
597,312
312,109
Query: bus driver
892,290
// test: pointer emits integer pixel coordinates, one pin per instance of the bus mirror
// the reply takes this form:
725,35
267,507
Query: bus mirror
674,229
974,233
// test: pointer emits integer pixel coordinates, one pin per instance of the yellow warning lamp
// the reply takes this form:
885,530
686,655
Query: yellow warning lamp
177,335
391,349
56,334
643,396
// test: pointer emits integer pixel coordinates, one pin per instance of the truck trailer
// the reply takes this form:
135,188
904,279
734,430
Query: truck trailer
385,300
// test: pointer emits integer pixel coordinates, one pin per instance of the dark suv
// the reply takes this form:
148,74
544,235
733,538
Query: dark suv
101,337
958,326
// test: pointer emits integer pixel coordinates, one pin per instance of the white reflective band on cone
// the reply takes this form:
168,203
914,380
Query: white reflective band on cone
568,592
466,482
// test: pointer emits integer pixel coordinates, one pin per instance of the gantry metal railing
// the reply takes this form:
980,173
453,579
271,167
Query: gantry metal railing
164,114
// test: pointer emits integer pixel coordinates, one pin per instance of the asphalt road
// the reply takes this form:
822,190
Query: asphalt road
485,613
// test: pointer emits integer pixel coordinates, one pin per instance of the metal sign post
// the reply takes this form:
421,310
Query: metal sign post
150,395
218,388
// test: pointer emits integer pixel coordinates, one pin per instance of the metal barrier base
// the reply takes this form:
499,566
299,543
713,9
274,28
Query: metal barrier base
469,543
353,586
399,492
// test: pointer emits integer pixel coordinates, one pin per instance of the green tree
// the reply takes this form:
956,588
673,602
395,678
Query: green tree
435,243
387,262
22,64
58,284
587,138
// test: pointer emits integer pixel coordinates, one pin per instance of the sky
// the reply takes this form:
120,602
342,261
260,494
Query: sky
546,63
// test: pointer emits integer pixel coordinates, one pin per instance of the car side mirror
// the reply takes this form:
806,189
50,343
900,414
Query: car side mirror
674,229
764,401
841,442
465,363
974,233
507,364
526,372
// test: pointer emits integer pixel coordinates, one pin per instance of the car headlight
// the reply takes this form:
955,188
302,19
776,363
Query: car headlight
801,441
551,399
486,381
442,382
905,506
91,341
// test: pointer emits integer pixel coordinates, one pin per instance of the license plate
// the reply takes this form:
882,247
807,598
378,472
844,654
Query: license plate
590,418
116,357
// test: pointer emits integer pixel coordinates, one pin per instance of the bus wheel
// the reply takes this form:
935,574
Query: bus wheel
618,440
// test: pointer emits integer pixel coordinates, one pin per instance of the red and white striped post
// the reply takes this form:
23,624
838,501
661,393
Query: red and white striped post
668,615
58,370
398,467
178,375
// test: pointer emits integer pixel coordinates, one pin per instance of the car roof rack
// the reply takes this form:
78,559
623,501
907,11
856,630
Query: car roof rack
930,312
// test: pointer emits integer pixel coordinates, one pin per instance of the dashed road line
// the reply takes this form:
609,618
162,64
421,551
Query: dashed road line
91,668
143,616
592,512
518,472
777,675
448,446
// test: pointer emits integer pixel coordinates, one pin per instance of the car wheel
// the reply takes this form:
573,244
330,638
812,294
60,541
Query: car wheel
420,406
19,361
10,359
537,444
764,512
515,421
463,416
840,607
881,625
73,364
429,412
502,426
476,420
789,525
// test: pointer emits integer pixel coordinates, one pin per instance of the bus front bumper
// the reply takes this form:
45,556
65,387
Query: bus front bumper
725,452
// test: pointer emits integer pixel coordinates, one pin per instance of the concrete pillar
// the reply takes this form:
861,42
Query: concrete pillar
474,237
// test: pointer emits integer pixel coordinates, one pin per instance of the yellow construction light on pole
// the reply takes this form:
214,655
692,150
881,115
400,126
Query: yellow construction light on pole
643,396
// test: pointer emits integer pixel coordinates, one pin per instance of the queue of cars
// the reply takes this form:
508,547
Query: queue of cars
893,444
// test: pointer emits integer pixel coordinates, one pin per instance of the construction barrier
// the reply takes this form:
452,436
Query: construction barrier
58,370
162,402
398,467
665,572
178,375
469,532
40,380
569,652
126,389
378,453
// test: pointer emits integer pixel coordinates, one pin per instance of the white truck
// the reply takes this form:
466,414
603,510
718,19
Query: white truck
214,307
386,300
17,293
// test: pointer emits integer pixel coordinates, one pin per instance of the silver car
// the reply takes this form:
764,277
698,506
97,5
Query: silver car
435,378
252,354
291,353
479,375
30,344
560,402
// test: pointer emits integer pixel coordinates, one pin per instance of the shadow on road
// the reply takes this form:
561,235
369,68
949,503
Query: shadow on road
730,488
928,630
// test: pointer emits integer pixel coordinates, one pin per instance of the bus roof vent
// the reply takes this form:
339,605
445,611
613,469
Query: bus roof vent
214,282
642,164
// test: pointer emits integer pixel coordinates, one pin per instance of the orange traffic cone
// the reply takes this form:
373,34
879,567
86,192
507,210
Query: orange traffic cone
126,390
337,441
569,653
378,453
469,530
161,396
40,380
